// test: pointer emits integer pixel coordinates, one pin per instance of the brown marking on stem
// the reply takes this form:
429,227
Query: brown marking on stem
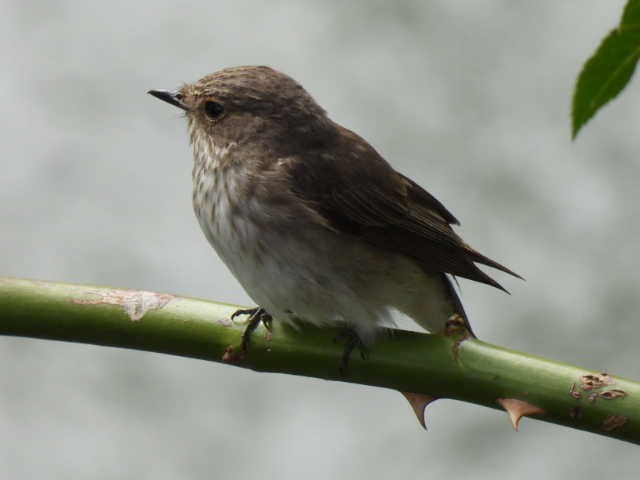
518,409
226,322
419,402
576,413
573,393
599,380
229,355
614,422
613,394
135,303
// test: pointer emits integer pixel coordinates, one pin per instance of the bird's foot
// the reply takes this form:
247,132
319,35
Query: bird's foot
351,342
244,311
257,316
457,326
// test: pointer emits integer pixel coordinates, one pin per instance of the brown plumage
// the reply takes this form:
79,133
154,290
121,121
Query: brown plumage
360,194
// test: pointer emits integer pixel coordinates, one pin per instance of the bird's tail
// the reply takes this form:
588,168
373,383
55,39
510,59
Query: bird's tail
455,300
435,304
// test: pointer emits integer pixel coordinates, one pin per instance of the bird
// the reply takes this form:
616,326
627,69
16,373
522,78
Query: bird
313,222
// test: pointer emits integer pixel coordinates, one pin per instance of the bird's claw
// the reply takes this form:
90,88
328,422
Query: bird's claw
352,342
257,315
244,311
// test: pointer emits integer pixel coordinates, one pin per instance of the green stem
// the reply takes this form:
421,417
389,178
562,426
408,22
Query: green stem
444,367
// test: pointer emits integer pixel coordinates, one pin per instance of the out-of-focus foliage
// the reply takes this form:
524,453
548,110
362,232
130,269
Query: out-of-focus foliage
610,68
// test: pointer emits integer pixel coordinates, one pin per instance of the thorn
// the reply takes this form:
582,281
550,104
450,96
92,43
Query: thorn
419,402
518,409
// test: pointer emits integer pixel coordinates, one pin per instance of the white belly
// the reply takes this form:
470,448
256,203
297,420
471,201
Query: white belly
298,270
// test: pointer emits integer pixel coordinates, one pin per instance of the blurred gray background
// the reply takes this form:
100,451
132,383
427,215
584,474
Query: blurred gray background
470,98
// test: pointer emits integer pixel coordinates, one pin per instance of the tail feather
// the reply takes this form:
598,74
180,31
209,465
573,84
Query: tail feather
480,276
476,256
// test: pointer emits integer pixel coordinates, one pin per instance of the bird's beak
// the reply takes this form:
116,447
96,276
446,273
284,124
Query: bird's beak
174,98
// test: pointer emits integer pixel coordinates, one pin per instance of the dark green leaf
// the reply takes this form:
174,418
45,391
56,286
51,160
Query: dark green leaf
631,15
608,71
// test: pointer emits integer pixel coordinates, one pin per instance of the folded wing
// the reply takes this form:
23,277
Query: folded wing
358,193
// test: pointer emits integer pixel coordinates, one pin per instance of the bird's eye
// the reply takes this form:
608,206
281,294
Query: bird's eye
213,109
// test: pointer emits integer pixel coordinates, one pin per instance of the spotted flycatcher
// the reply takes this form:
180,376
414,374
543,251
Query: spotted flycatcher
311,220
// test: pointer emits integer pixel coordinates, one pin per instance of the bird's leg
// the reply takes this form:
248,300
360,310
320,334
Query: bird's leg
351,342
457,326
257,315
244,311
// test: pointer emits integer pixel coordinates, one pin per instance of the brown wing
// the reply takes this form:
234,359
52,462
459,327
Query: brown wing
358,193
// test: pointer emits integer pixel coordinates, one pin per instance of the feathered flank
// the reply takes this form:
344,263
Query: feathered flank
360,194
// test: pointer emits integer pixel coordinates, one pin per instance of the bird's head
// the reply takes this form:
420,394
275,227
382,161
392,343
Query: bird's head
254,108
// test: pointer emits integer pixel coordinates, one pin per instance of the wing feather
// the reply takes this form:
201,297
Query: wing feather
362,195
